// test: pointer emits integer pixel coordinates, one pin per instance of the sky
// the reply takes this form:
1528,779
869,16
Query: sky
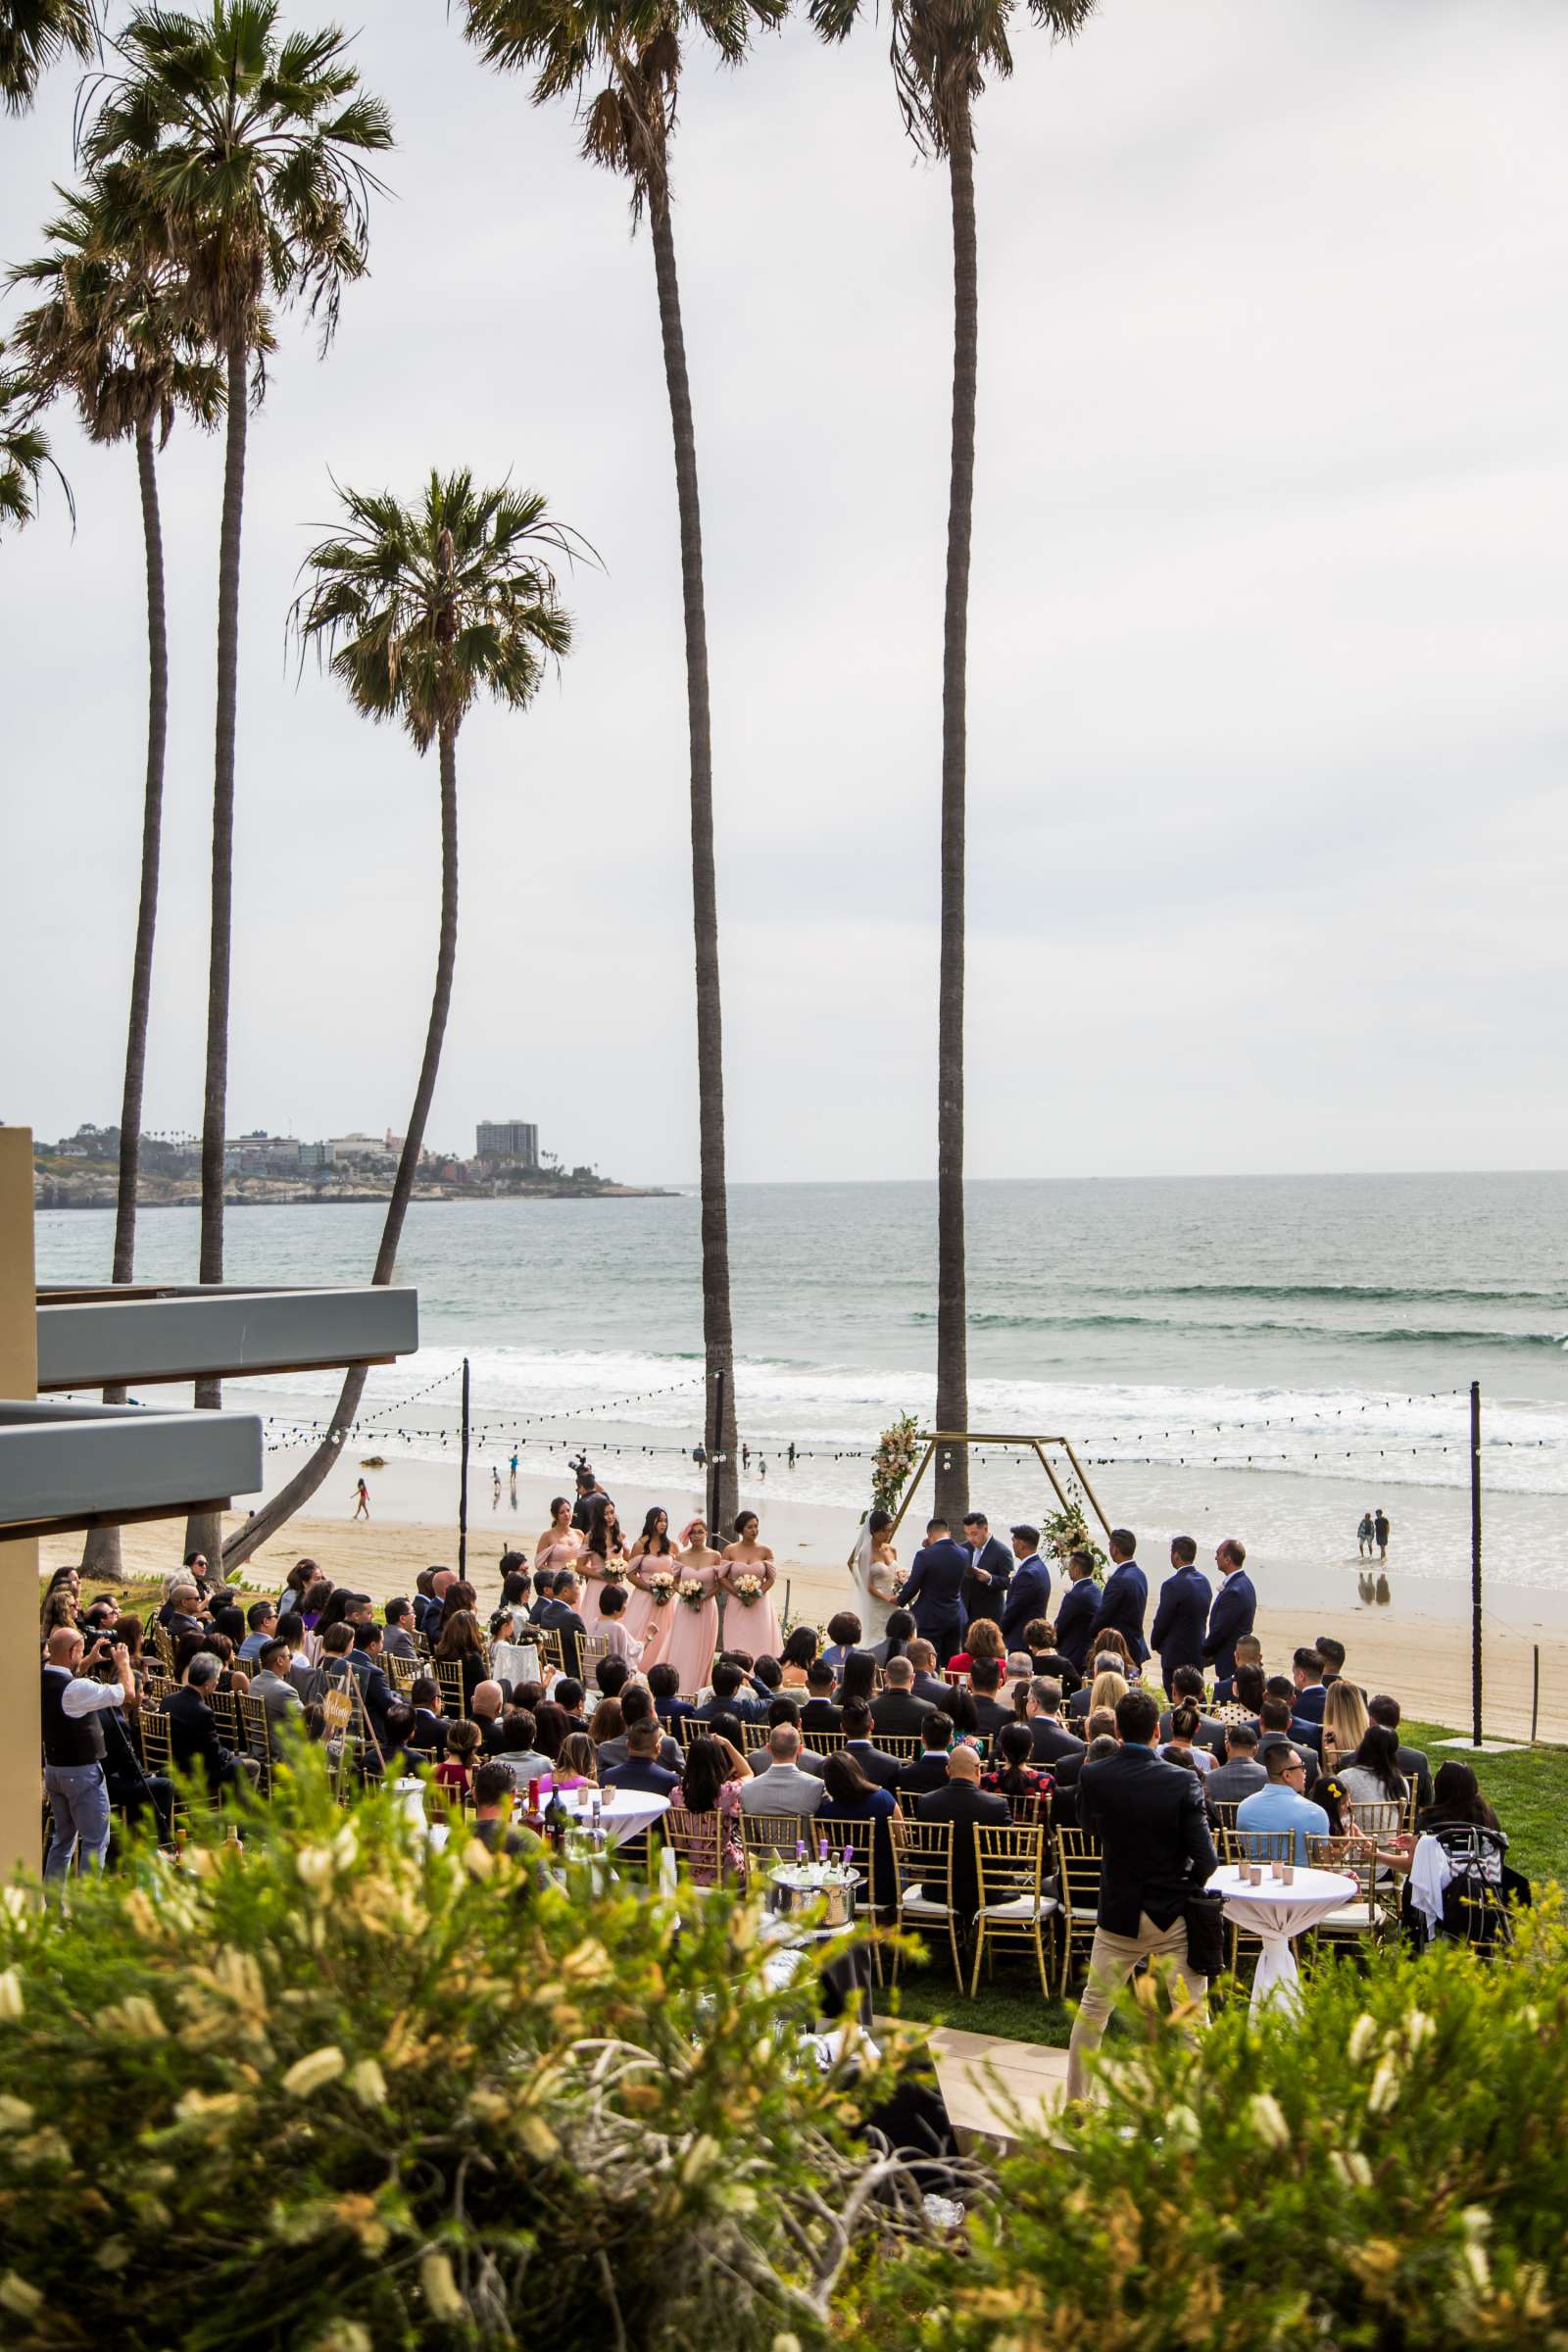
1268,822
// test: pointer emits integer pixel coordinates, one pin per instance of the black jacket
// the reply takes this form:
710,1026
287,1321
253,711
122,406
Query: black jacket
1075,1620
193,1736
928,1771
933,1690
820,1715
1052,1741
1180,1620
1152,1828
964,1805
886,1771
898,1712
933,1592
989,1600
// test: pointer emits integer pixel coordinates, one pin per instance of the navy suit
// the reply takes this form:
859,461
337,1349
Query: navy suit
988,1600
1121,1608
933,1592
1028,1598
1308,1705
1075,1620
1233,1614
1180,1620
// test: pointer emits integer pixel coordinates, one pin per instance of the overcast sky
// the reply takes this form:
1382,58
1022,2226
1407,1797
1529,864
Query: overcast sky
1268,826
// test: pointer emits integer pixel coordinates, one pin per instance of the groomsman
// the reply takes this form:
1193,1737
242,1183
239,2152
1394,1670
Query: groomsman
984,1589
1080,1607
933,1591
1235,1608
1126,1594
1182,1617
1029,1593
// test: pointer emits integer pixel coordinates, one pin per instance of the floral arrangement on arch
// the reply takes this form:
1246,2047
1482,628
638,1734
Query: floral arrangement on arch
1067,1531
895,1456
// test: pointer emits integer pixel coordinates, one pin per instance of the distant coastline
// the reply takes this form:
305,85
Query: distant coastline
52,1197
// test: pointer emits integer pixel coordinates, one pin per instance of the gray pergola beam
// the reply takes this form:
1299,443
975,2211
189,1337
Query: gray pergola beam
88,1340
70,1466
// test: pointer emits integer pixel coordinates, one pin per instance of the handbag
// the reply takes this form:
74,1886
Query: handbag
1204,1914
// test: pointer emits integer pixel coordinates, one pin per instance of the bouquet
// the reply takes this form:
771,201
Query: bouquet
662,1588
692,1590
747,1589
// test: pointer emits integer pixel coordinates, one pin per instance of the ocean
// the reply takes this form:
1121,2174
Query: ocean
1269,1353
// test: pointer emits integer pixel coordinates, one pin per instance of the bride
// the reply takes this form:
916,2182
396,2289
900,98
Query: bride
874,1565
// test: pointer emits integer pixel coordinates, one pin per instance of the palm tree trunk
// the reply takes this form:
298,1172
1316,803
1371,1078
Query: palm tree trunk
204,1530
101,1552
306,1480
718,1340
952,1337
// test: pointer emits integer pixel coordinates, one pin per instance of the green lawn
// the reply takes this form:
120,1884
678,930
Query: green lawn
1528,1791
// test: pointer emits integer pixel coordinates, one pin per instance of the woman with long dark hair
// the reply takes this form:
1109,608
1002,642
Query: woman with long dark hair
602,1560
645,1620
859,1679
461,1641
852,1797
712,1776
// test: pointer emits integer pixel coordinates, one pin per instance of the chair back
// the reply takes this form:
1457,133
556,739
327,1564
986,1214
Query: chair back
826,1743
858,1840
1079,1860
1222,1812
593,1647
753,1737
697,1840
258,1731
156,1740
906,1746
689,1728
772,1837
1009,1863
1260,1845
226,1714
449,1678
922,1855
1375,1817
404,1672
164,1644
1025,1811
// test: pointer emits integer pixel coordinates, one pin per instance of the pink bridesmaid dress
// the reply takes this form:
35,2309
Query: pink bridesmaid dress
693,1633
643,1621
752,1624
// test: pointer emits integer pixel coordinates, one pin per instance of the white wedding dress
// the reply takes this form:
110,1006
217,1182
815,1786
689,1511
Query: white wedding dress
871,1596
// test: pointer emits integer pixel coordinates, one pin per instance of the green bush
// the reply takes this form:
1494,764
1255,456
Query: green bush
1390,2170
343,2093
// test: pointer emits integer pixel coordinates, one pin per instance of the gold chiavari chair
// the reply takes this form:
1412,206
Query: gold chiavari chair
770,1838
1078,1867
754,1735
906,1746
922,1856
449,1679
547,1640
1013,1907
1361,1917
404,1672
697,1840
226,1711
824,1744
258,1737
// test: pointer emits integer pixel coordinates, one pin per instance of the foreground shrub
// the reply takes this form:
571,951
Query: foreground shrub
344,2092
1390,2171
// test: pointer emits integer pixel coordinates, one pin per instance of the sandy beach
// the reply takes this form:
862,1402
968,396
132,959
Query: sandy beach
1423,1655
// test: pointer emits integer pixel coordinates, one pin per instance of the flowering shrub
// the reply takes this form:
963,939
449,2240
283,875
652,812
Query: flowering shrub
895,1456
345,2093
1387,2170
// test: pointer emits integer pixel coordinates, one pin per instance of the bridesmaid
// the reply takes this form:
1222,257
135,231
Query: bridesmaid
693,1633
753,1624
561,1545
644,1622
602,1560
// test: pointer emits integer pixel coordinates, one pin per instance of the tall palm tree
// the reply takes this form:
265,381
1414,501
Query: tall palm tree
251,144
24,452
621,61
942,51
418,610
114,332
33,35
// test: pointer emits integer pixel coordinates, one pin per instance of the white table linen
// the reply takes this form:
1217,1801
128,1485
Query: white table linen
1276,1914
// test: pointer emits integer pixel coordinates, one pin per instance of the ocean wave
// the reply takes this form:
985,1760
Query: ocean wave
1387,1336
1357,1293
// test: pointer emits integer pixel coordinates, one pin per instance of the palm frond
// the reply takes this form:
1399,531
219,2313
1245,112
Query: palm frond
34,34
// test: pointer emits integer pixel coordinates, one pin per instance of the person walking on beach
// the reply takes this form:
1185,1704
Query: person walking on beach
514,1478
495,1485
361,1500
1380,1528
1363,1536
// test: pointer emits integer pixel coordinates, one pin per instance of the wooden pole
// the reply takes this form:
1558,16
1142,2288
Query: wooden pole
463,1484
1535,1694
1475,1562
21,1809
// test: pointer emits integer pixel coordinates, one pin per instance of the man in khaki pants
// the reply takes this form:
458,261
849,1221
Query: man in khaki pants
1153,1835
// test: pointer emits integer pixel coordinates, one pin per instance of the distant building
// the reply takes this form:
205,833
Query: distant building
508,1139
317,1155
361,1151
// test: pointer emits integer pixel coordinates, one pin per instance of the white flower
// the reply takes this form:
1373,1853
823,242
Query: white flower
1351,2167
440,2288
1181,2128
15,2114
10,1993
1419,2027
1383,2090
16,2294
1267,2119
313,2070
315,1866
1480,2268
1364,2035
368,2082
346,1846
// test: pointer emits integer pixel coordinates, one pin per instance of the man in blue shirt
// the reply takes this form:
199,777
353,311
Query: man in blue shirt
262,1619
1281,1805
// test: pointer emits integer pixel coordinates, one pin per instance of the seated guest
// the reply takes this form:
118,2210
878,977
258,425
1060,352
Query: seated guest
399,1760
552,1727
663,1681
606,1723
1050,1737
1282,1805
1187,1690
1067,1765
983,1642
463,1753
784,1711
781,1786
819,1714
544,1590
569,1696
1040,1641
613,1627
278,1694
929,1769
1276,1729
642,1771
711,1778
397,1640
1306,1673
512,1620
1183,1727
857,1678
494,1797
1458,1801
486,1708
364,1662
966,1722
518,1747
1373,1777
881,1769
898,1638
1411,1761
928,1684
1102,1693
1012,1771
260,1619
1343,1725
727,1695
460,1641
558,1615
1241,1774
227,1616
1280,1686
577,1763
985,1684
637,1706
302,1669
852,1797
964,1803
430,1726
798,1650
896,1710
1331,1653
611,1676
1248,1653
1246,1691
179,1613
193,1736
843,1636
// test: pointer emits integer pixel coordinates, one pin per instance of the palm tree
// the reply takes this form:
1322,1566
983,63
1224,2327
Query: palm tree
418,610
33,34
621,61
250,145
115,333
942,51
24,452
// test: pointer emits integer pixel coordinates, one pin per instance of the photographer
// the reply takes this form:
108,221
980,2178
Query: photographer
74,1746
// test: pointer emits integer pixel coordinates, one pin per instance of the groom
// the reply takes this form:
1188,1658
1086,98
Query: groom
985,1587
